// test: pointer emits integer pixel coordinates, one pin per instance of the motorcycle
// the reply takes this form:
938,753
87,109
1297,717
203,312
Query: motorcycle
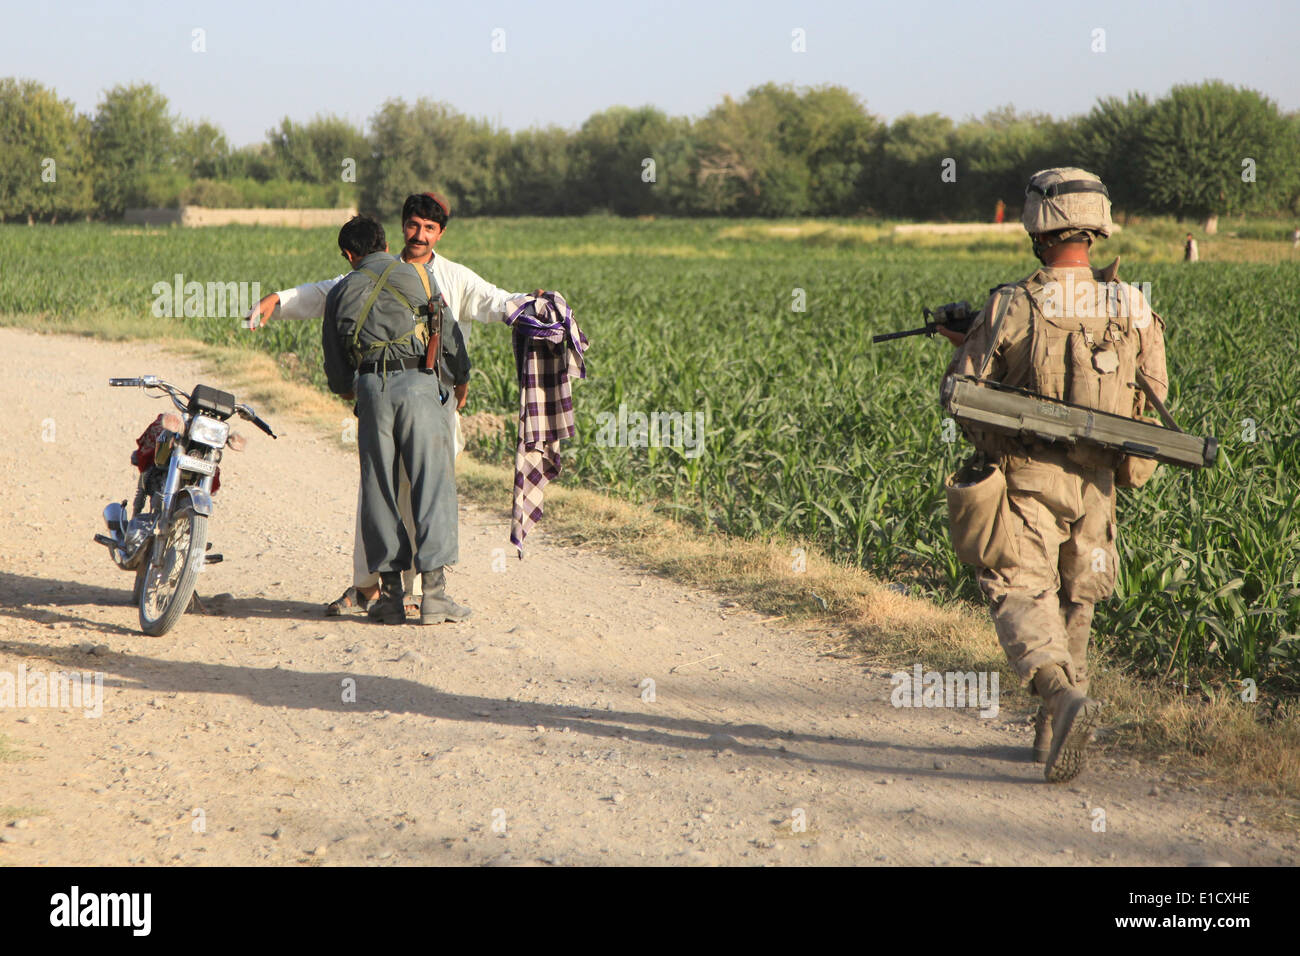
164,538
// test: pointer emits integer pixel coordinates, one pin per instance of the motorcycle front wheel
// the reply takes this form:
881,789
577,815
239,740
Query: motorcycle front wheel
167,587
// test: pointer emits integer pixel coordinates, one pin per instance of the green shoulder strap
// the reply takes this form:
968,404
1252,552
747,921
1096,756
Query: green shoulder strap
381,281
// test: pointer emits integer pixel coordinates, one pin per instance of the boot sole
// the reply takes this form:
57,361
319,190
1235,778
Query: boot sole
1070,748
441,619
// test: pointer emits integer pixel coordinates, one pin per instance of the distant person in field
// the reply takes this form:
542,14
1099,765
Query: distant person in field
1295,239
1048,547
469,297
1189,249
999,212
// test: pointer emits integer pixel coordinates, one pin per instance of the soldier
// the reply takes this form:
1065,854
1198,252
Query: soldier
1063,334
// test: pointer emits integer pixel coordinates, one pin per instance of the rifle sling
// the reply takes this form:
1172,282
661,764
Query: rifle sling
995,329
1159,406
433,351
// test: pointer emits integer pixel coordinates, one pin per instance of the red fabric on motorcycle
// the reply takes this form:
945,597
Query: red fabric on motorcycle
146,446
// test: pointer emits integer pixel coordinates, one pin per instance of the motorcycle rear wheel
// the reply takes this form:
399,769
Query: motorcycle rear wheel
166,589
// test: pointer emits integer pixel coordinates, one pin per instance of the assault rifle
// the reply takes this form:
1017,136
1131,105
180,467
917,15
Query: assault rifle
958,316
990,406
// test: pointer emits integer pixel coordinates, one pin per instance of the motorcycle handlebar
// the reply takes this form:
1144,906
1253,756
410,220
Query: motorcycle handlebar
152,381
246,412
264,426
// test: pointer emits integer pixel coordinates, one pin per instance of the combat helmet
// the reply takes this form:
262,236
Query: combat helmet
1062,203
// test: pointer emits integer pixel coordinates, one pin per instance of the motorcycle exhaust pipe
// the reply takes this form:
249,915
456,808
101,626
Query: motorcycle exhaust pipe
115,518
108,542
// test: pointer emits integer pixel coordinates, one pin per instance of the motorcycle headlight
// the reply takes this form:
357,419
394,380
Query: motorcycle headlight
209,431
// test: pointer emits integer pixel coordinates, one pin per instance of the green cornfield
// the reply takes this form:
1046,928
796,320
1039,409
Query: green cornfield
810,431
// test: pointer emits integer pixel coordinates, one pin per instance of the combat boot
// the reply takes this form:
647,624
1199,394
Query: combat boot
1042,734
435,605
1074,715
390,606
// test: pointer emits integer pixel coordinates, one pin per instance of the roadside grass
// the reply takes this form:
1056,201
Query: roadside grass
113,325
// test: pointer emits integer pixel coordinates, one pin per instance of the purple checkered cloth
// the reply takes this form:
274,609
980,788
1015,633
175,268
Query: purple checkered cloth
548,355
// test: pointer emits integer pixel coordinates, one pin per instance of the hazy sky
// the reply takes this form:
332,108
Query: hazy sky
563,60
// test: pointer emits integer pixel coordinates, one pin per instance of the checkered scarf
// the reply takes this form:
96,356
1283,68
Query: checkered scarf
548,354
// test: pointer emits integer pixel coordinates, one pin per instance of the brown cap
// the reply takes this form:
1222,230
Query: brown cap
446,209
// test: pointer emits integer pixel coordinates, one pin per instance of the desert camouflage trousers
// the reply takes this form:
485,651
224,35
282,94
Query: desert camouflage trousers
1063,526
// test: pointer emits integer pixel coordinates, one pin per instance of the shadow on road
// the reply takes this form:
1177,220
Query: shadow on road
24,597
276,687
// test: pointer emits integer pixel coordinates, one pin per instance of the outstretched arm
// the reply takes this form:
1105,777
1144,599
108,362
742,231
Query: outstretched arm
302,302
481,301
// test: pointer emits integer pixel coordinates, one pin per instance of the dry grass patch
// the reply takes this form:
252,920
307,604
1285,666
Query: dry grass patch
812,232
1255,746
592,250
257,379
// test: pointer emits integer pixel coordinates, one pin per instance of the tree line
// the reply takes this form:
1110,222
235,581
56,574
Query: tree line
1199,151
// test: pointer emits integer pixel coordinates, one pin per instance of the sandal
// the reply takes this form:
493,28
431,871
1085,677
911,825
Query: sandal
351,599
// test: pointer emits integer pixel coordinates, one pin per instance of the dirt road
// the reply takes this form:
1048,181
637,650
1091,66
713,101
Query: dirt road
529,734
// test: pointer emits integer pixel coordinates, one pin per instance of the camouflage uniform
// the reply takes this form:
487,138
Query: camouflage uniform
1077,335
1062,500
